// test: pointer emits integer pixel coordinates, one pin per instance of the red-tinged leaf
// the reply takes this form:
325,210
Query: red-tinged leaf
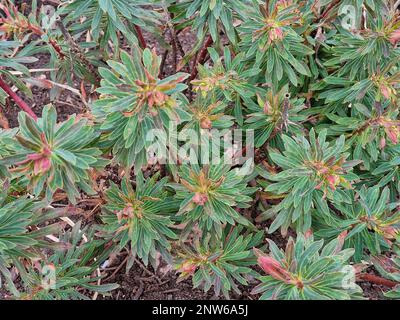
273,268
395,37
393,134
41,166
341,239
34,156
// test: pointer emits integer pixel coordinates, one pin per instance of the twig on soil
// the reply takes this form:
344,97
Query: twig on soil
88,215
139,291
66,103
21,103
145,279
170,291
164,282
117,269
147,271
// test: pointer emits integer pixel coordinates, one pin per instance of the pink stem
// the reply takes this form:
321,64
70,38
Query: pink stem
141,39
21,103
377,280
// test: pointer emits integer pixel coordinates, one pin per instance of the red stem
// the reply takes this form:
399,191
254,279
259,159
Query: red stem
56,47
377,280
200,59
141,39
21,103
39,32
328,9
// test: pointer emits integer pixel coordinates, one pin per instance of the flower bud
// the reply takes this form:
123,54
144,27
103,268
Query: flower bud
200,198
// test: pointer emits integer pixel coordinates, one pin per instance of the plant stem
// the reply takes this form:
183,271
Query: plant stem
141,39
174,49
162,65
76,49
328,10
201,57
57,48
377,280
21,103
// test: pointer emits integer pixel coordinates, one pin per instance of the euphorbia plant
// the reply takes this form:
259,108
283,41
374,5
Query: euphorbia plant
6,139
39,32
372,222
369,131
272,43
206,113
211,16
379,87
66,273
141,218
8,62
227,79
55,156
111,16
363,63
313,172
317,82
220,263
208,195
274,114
389,267
307,270
387,171
15,24
133,102
371,47
19,234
